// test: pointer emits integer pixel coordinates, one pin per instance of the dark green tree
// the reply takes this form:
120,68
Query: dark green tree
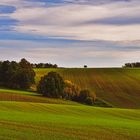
12,74
51,85
4,72
24,64
25,75
16,75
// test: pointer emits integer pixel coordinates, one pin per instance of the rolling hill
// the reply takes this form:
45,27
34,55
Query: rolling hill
28,115
40,121
117,86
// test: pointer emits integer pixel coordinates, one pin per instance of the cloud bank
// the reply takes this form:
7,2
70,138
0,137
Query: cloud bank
113,24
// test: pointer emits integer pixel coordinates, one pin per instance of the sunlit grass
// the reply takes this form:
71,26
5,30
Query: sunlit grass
51,121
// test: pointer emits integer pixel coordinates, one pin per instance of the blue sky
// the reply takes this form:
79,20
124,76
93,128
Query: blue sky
71,33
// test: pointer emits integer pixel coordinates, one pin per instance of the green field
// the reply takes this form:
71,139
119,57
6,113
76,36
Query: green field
39,121
117,86
29,116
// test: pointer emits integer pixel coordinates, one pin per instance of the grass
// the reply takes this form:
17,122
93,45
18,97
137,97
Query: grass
33,121
117,86
24,96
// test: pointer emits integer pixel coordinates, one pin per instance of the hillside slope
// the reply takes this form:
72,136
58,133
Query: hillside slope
39,121
117,86
24,96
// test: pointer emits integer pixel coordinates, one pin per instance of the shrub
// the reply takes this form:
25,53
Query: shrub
72,92
86,97
89,101
51,85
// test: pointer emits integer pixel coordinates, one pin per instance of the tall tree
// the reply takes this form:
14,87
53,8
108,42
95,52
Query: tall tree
51,85
26,74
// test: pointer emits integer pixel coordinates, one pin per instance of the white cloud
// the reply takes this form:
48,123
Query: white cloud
71,21
20,3
72,54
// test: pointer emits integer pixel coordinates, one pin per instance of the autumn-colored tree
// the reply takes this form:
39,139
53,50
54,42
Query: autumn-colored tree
71,91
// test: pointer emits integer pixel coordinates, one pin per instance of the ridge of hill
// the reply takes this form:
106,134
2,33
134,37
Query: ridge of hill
120,87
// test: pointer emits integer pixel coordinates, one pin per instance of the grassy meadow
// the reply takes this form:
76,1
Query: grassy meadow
29,116
39,121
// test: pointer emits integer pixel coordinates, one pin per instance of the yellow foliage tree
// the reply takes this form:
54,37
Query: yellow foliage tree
71,90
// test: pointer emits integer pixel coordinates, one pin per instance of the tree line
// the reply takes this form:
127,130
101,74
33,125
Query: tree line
132,65
20,75
16,75
44,65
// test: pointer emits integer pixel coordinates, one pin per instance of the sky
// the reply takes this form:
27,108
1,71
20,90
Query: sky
71,33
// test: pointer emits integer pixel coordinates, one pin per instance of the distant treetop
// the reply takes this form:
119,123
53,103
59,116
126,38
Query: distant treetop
132,65
44,65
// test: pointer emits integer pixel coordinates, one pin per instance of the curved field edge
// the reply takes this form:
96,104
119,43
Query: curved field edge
117,86
24,120
25,96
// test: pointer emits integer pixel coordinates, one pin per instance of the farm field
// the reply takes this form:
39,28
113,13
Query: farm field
117,86
28,115
40,121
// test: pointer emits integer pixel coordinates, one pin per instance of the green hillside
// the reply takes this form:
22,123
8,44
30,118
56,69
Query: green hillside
28,115
119,87
39,121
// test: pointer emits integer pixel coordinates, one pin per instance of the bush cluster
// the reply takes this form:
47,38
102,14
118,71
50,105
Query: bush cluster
86,97
74,93
53,85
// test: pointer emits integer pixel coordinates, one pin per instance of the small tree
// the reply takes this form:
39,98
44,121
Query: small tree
51,85
71,91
